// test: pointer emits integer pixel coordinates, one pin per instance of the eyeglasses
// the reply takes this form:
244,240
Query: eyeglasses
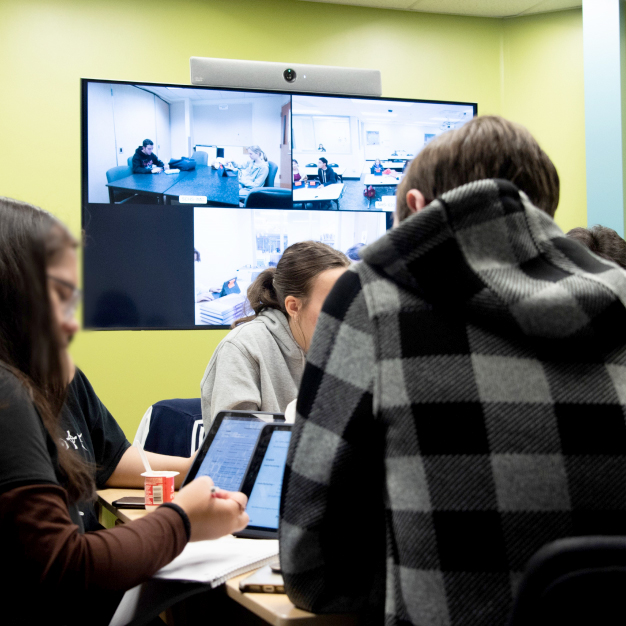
69,304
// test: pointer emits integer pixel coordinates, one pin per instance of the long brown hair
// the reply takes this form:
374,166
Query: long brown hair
294,275
486,147
30,241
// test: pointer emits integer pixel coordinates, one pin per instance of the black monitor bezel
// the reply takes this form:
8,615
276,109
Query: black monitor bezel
84,151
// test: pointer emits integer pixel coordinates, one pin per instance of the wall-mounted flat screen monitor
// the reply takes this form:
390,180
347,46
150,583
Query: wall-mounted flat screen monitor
189,193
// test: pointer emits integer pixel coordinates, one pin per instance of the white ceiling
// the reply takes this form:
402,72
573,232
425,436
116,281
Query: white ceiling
482,8
204,96
431,114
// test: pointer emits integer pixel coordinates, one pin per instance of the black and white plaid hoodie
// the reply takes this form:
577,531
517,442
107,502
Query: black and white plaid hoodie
462,405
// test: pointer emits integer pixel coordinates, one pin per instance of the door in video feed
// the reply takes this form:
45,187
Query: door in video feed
264,503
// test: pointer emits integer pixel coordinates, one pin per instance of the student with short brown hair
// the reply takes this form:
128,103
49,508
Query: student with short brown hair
462,402
603,241
486,147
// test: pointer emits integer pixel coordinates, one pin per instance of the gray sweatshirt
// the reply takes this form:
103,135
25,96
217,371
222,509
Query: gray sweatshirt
257,366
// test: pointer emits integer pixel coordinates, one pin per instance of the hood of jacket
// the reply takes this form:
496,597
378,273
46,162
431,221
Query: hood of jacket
484,249
278,325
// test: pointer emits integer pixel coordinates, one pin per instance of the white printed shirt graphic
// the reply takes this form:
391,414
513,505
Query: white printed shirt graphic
72,440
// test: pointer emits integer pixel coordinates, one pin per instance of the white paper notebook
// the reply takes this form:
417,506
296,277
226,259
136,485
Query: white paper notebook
208,562
214,562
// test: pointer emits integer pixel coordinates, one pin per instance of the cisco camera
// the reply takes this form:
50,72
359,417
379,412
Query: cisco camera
290,75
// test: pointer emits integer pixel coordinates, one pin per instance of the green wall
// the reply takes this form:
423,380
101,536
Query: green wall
543,89
528,69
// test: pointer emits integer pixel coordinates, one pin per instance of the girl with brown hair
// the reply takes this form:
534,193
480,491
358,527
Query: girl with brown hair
258,365
42,479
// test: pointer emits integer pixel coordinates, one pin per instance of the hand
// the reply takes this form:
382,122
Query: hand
212,517
167,167
156,170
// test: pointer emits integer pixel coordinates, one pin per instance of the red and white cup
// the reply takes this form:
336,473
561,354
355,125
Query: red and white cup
159,488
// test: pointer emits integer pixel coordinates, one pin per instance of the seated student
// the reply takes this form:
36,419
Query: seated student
252,173
603,241
145,161
41,477
463,399
296,172
258,365
377,167
325,173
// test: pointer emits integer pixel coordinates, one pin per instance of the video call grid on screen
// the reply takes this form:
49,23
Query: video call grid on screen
327,169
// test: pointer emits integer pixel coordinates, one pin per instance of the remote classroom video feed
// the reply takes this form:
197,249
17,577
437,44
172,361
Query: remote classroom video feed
349,153
231,248
150,144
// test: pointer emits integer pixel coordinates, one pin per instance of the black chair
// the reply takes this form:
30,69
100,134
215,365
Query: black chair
272,198
339,176
200,157
117,196
172,427
579,580
311,165
271,175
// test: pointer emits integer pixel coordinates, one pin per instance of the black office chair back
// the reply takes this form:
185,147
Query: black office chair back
311,165
115,173
334,164
200,157
271,175
175,427
129,160
579,580
269,198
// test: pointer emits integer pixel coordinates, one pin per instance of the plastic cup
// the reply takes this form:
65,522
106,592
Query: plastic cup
159,488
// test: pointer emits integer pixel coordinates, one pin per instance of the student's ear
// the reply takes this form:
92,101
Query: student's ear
415,200
292,306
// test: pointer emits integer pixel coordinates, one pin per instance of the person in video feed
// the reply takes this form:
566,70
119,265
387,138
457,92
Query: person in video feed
325,173
144,159
377,168
321,148
254,172
296,172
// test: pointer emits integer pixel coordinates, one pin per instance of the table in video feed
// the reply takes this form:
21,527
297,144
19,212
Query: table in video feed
311,172
154,185
390,180
206,181
312,195
273,608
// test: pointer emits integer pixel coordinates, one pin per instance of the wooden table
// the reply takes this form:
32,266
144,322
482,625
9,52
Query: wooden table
274,609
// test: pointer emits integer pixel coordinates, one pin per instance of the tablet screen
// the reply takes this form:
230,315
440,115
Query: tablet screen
264,502
227,458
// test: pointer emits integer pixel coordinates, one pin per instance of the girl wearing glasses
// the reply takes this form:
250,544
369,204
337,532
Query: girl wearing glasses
42,478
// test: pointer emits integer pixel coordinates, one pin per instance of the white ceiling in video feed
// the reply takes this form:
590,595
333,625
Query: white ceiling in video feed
352,130
181,122
232,247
